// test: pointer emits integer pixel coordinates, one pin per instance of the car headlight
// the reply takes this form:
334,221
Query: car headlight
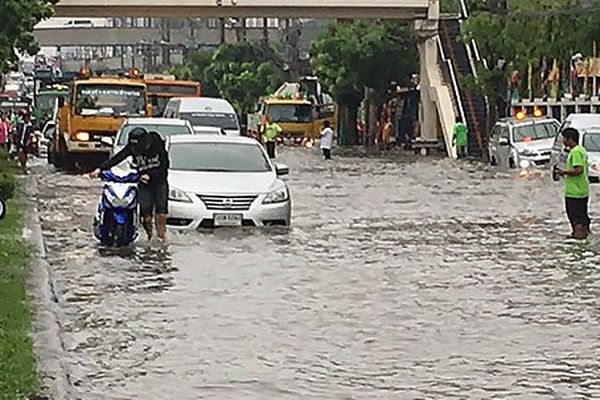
524,164
179,196
82,136
278,195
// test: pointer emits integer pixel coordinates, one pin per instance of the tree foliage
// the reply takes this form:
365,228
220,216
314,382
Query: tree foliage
352,56
19,17
240,72
528,32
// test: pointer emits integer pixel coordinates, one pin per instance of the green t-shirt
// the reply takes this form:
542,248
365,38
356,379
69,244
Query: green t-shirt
577,187
272,131
460,134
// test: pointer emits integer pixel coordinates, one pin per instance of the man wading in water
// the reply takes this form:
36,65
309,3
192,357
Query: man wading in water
577,184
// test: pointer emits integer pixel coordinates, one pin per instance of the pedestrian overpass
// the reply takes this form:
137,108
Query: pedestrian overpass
393,9
438,109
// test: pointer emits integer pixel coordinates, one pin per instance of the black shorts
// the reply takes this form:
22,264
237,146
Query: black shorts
154,198
577,211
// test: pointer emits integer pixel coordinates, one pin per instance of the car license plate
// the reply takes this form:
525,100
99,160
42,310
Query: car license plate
228,219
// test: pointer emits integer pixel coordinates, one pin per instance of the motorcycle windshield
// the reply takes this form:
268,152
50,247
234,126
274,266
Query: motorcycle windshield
110,176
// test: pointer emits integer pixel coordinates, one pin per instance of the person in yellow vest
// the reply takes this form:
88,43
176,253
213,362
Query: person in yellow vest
271,132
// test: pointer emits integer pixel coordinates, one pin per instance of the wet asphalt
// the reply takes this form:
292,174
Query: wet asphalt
400,279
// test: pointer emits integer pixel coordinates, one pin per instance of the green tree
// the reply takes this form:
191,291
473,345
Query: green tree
243,72
526,33
240,72
353,56
195,69
19,17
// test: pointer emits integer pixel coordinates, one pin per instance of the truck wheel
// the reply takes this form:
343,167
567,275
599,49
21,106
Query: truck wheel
64,160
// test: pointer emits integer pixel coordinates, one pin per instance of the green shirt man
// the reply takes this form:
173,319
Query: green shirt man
460,137
577,186
272,130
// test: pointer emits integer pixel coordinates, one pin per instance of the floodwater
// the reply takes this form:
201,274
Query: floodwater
399,280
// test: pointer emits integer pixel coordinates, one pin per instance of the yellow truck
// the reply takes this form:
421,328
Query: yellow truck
95,110
298,110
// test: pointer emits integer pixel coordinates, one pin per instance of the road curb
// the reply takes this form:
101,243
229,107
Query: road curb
45,309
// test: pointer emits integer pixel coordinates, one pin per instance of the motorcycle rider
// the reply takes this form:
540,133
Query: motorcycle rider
151,160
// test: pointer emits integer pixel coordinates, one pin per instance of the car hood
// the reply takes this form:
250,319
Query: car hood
217,183
536,145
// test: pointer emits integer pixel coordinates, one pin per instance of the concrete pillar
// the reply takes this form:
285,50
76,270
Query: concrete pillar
428,113
428,58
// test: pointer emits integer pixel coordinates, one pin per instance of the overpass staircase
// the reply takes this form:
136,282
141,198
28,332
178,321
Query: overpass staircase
458,60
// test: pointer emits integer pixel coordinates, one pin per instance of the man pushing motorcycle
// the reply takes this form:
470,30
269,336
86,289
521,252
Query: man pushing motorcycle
151,160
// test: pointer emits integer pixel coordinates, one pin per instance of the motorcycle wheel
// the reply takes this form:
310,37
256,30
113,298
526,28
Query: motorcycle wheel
2,208
120,236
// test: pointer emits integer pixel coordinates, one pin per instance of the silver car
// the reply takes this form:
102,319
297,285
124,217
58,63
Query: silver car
588,126
522,143
225,181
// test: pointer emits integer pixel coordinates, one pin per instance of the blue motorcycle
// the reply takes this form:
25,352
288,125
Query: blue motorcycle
116,220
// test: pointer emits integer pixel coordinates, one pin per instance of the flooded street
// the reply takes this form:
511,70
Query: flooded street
398,280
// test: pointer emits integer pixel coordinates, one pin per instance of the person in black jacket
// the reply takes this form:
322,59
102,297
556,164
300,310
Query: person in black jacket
24,130
151,160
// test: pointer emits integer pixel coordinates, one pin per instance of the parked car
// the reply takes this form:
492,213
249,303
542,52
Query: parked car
588,126
224,181
205,111
522,142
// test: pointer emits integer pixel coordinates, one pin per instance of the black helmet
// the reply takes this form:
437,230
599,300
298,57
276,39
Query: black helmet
139,140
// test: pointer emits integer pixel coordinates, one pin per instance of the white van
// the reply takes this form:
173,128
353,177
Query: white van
203,112
588,126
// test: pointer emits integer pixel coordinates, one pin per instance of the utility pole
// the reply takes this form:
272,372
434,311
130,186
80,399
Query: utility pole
265,30
222,27
291,39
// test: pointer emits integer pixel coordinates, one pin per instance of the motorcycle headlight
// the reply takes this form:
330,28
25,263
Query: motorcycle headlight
179,196
278,195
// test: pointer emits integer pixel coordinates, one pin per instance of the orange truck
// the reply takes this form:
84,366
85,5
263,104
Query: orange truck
94,111
161,88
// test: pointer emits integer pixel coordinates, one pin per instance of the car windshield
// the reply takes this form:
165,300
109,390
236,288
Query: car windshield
158,105
119,100
289,112
591,141
219,120
45,101
164,130
531,132
218,157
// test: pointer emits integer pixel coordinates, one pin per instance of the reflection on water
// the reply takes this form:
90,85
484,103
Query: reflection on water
420,280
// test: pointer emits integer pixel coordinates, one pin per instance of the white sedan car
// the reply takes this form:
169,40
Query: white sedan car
224,181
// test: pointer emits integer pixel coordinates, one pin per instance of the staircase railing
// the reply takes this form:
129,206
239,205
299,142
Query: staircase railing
453,79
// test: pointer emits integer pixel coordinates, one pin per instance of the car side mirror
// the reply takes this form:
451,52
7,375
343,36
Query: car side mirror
108,141
282,169
49,134
61,101
503,142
